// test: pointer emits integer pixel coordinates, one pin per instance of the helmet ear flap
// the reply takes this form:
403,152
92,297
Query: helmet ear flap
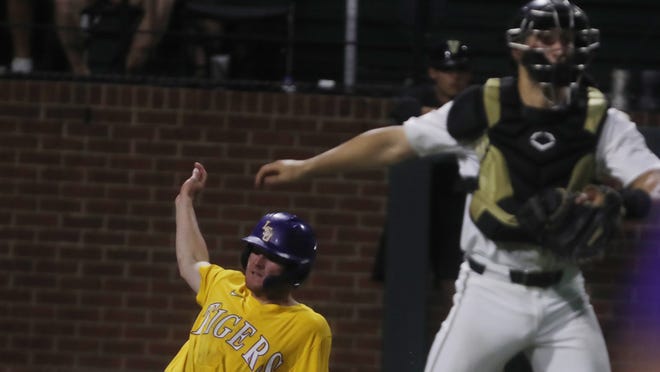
300,273
293,275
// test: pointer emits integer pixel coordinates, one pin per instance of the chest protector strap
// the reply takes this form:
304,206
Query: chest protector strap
495,203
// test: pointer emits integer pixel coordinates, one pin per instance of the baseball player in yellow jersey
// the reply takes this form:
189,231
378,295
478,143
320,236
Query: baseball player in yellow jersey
249,320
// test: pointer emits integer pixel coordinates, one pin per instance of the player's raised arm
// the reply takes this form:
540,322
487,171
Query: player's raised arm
191,250
374,148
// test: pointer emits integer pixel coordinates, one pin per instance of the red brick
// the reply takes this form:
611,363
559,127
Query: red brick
14,357
102,299
147,364
156,117
150,240
149,333
80,253
32,343
248,122
18,141
84,160
75,113
10,125
18,203
124,316
14,295
42,126
180,134
19,110
195,99
103,115
266,138
154,148
63,144
126,286
79,314
126,254
55,298
113,146
227,136
58,236
101,362
108,176
80,283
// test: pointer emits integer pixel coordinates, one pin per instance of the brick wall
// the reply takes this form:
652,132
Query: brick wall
88,175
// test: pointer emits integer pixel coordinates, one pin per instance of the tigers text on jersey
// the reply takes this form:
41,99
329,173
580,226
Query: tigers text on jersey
234,332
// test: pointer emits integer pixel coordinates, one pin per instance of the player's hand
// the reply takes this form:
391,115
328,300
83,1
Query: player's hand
280,171
195,183
591,195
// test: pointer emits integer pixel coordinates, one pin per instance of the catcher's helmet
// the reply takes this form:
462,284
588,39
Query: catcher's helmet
286,239
572,24
449,55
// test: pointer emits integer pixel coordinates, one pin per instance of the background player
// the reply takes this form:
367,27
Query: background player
544,130
448,73
249,321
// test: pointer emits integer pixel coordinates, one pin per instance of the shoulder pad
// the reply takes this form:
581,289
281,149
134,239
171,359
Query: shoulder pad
466,120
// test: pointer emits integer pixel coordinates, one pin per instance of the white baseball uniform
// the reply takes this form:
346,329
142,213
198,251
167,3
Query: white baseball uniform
492,319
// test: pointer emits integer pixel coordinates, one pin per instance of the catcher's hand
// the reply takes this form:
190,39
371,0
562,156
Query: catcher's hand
577,226
278,172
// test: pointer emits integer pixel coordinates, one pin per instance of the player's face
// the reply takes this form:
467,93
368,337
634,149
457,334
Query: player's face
450,83
260,266
556,44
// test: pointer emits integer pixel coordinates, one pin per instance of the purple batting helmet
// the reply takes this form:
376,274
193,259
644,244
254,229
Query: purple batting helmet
285,239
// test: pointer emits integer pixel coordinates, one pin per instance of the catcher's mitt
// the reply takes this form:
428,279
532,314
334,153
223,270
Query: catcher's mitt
577,226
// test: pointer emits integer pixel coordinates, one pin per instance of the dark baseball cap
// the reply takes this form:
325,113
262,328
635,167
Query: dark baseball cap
450,54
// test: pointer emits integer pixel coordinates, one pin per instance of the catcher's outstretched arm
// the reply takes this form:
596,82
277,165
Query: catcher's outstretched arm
374,148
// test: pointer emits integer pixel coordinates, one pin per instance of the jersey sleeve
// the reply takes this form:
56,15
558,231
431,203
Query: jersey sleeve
427,134
210,274
622,151
315,356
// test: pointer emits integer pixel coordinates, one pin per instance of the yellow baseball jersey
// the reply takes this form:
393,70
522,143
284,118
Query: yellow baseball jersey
234,332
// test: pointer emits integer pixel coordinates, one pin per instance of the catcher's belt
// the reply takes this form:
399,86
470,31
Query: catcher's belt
541,279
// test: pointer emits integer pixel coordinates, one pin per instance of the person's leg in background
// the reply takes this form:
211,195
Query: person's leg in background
149,32
67,21
20,16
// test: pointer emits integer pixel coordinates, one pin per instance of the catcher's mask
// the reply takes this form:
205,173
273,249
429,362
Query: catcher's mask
286,239
562,21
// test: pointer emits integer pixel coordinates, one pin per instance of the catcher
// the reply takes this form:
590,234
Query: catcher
543,137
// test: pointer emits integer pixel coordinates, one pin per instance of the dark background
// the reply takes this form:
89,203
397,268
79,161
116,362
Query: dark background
392,35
